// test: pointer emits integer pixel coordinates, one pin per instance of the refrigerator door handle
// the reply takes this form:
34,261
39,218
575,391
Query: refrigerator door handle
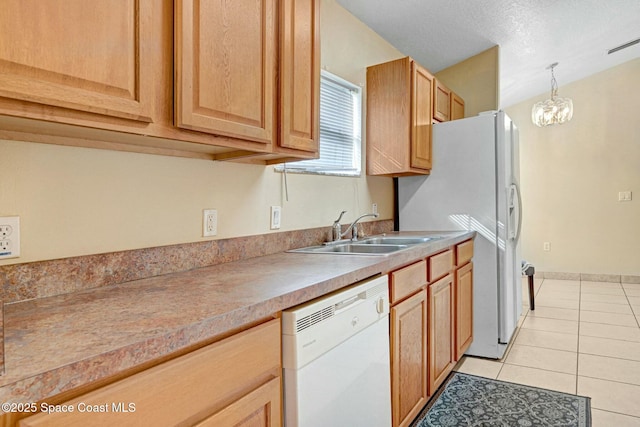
517,237
515,212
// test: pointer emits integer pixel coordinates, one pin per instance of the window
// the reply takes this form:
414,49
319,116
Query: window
340,130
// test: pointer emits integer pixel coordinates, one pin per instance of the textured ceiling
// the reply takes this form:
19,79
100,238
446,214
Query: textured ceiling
531,34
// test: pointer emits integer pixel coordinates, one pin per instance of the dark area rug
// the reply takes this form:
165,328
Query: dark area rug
468,400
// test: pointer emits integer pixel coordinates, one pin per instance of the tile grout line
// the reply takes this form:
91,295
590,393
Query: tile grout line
624,290
541,369
550,348
612,357
618,413
610,380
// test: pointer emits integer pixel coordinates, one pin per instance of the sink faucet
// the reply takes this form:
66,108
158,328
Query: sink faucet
353,227
337,228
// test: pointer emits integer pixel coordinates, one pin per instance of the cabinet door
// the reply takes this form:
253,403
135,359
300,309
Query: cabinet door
441,331
389,117
464,309
457,107
299,74
82,55
441,103
421,116
408,358
225,59
260,408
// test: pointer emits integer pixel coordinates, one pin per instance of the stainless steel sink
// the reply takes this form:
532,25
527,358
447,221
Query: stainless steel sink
352,248
397,240
374,245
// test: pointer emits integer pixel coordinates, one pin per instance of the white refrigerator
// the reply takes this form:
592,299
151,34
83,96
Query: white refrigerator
474,185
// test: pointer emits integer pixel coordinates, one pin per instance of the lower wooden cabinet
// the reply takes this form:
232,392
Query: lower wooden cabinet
234,382
408,358
464,308
431,326
441,331
259,408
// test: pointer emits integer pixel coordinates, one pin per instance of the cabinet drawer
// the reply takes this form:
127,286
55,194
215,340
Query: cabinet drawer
440,264
184,390
407,280
464,252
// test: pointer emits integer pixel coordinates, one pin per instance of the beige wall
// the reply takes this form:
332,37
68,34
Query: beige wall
77,201
571,175
476,80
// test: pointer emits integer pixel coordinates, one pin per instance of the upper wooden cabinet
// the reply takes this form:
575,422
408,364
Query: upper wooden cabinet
399,117
447,105
299,76
87,56
226,65
457,107
441,102
235,80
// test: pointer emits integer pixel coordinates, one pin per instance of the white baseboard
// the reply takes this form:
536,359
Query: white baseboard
589,277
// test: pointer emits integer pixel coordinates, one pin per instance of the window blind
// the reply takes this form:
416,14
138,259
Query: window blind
340,129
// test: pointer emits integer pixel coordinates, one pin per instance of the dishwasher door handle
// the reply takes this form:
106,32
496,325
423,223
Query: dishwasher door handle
347,302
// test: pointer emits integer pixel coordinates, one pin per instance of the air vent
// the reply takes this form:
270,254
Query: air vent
381,288
623,46
313,318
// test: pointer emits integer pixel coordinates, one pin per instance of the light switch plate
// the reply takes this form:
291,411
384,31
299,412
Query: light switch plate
624,196
276,217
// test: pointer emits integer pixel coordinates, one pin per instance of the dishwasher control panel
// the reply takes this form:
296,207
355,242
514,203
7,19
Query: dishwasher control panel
314,328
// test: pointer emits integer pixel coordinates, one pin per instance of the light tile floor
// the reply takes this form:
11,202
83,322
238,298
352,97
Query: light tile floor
582,338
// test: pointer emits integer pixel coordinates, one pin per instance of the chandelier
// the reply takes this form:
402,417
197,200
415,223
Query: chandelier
555,110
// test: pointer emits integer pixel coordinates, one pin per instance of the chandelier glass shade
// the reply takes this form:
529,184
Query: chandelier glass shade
554,110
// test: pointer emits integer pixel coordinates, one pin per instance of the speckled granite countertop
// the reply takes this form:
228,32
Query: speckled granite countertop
59,343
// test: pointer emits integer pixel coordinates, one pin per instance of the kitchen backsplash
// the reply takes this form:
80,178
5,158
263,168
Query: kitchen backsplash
48,278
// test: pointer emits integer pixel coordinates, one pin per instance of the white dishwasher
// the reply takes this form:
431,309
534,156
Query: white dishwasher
336,359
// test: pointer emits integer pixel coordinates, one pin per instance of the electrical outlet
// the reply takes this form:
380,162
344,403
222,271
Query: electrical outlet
5,246
374,208
546,246
209,222
9,237
276,217
5,231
